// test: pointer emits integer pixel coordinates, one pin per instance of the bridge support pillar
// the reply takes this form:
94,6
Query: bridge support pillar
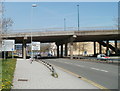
100,48
66,50
24,49
71,50
57,51
116,47
61,50
94,48
107,48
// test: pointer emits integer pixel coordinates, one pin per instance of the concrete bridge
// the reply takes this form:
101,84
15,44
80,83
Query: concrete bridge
64,37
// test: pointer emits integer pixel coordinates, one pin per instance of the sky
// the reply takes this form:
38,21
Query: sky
52,14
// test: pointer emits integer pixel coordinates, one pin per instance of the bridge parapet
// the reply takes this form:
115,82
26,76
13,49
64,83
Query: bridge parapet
55,33
98,32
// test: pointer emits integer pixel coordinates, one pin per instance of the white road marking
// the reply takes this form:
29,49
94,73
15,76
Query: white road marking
99,69
95,68
80,65
104,70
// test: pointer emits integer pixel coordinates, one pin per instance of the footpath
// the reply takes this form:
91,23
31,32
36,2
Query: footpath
38,76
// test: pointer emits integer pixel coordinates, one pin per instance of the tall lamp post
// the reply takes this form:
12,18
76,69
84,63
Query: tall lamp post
78,16
33,5
64,24
78,24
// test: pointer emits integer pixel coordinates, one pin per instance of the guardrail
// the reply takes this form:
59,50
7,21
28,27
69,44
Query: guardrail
110,60
50,67
62,29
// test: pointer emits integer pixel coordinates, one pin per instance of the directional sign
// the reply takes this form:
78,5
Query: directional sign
8,45
35,45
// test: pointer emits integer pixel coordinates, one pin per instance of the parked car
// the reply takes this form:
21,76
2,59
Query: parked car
102,57
37,56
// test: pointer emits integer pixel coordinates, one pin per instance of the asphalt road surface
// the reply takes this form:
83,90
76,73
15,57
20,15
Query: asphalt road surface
103,74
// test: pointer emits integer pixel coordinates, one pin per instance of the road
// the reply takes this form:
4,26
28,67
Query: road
101,73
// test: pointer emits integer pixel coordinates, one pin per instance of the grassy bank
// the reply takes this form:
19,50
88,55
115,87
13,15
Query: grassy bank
0,74
8,67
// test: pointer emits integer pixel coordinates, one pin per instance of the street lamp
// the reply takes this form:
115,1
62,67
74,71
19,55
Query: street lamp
78,16
33,5
64,24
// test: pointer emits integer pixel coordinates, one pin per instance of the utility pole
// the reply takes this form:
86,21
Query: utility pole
33,6
78,16
64,24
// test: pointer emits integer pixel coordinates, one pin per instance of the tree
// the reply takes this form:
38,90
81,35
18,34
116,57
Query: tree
5,23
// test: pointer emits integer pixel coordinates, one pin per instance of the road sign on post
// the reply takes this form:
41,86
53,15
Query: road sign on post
35,46
8,45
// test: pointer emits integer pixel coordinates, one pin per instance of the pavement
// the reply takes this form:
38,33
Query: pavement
38,76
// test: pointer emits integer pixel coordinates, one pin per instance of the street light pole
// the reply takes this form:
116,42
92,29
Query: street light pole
33,5
78,16
78,24
64,24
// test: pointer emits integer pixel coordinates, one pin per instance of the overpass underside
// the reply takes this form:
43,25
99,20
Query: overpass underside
64,37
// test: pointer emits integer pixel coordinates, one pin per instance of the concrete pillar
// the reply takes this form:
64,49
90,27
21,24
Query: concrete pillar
71,50
61,50
24,49
66,50
100,48
107,47
116,47
57,51
94,48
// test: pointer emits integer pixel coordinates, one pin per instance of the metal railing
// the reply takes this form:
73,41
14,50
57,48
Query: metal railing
62,29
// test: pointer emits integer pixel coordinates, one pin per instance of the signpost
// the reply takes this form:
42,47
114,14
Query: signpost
8,45
35,46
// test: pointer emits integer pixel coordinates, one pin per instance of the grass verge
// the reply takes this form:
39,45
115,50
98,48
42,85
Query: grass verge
0,74
8,67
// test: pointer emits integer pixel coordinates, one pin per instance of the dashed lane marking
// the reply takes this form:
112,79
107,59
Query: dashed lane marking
99,69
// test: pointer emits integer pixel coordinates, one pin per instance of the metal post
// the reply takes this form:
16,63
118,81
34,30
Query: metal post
12,55
64,24
61,50
33,5
78,16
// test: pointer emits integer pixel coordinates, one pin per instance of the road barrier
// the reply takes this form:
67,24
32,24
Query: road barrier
50,67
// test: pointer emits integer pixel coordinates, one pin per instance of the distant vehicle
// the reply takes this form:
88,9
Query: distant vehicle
102,57
37,56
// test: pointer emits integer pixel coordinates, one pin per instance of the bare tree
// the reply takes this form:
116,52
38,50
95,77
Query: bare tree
117,22
45,47
81,47
5,23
